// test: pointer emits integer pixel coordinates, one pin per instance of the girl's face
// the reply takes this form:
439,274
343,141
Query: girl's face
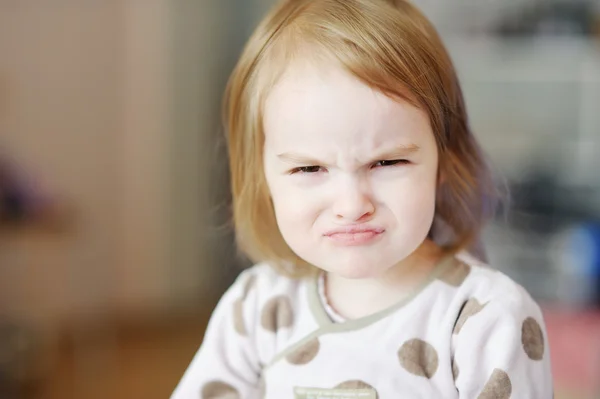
351,172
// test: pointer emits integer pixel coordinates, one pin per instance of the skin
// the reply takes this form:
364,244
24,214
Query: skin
352,175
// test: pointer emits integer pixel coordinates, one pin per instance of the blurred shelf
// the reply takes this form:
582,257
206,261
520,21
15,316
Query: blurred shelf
57,221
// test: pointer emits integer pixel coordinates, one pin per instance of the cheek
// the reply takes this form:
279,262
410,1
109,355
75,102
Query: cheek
411,200
295,215
291,204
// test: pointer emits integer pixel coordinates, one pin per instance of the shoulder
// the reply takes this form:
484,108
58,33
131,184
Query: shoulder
496,299
491,285
266,297
262,281
498,336
267,309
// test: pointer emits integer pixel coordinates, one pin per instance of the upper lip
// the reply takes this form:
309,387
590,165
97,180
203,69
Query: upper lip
355,229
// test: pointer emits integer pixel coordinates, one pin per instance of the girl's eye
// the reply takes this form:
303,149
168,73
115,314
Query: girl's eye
307,169
391,162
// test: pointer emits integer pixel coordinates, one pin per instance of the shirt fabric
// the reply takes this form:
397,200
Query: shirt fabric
467,332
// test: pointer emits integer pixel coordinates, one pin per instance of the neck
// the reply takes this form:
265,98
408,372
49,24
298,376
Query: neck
354,298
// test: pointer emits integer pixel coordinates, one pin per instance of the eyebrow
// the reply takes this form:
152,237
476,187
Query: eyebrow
296,158
396,152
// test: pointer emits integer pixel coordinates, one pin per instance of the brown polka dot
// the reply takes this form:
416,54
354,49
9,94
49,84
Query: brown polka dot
355,384
456,274
455,370
219,390
532,339
238,317
250,282
470,308
305,353
277,314
497,387
419,358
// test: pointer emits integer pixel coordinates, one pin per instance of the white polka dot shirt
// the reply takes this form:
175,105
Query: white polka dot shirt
469,332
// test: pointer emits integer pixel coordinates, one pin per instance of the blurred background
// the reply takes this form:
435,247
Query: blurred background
115,242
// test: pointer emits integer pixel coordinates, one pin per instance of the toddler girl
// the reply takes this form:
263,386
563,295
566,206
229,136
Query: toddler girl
360,190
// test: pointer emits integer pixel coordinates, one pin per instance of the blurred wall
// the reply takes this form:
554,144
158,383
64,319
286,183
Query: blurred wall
143,263
206,40
116,107
197,46
62,66
88,111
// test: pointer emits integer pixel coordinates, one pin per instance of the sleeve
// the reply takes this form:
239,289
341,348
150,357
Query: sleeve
501,350
226,365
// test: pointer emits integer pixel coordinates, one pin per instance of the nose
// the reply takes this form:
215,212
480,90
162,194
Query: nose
352,202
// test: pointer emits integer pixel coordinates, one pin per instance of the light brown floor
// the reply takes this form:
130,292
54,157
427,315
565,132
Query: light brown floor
140,363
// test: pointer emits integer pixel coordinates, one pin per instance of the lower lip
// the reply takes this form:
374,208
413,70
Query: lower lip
354,239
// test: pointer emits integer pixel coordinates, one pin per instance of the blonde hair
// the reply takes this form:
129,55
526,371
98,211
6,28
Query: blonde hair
390,46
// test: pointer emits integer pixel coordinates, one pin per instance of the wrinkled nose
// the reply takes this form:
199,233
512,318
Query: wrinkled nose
353,203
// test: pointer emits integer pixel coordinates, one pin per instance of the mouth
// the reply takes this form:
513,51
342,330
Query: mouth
354,235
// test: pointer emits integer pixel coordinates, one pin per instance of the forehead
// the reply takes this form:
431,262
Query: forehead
322,105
